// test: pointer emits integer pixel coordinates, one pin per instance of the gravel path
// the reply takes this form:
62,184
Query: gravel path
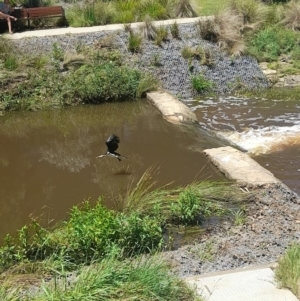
272,224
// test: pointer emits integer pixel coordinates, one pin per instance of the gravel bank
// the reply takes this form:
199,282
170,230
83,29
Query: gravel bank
165,61
270,227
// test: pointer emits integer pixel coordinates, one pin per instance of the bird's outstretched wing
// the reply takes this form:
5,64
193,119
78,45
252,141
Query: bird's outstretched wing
112,143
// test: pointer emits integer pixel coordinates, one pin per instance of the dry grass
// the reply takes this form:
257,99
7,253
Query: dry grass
224,30
251,11
292,15
148,29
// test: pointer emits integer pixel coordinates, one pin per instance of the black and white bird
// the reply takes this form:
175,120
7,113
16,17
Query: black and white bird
112,145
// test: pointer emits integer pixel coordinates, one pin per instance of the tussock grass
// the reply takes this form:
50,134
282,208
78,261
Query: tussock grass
287,272
145,279
134,41
224,30
187,205
292,15
148,29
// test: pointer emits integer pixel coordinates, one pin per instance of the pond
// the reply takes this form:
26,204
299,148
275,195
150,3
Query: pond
48,158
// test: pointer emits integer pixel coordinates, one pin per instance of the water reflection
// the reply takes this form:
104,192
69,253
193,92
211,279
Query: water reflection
48,159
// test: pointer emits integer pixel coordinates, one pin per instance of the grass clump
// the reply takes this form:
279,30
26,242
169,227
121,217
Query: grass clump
90,233
287,272
145,279
134,42
184,9
224,30
161,35
175,32
148,29
292,15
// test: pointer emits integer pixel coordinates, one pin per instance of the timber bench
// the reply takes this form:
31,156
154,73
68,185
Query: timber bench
38,13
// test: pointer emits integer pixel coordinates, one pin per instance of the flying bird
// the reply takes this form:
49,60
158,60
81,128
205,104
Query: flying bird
112,145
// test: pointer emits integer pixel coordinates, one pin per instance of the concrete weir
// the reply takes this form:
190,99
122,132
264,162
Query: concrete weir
238,166
235,164
171,108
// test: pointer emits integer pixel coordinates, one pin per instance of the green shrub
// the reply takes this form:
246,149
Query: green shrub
91,233
201,84
138,234
100,83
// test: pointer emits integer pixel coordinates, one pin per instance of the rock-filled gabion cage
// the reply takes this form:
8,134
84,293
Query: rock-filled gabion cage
165,61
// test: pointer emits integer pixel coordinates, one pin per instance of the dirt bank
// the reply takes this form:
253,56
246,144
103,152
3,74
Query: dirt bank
271,223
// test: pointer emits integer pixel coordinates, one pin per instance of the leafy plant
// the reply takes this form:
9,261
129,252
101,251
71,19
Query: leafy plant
105,82
191,207
201,84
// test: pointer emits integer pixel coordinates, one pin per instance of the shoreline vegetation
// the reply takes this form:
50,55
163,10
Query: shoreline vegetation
119,246
268,32
102,254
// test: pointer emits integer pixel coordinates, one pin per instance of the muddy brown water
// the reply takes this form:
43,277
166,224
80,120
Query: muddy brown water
269,130
48,159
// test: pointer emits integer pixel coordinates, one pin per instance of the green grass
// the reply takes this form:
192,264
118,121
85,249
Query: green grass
208,7
285,93
287,272
145,279
269,43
